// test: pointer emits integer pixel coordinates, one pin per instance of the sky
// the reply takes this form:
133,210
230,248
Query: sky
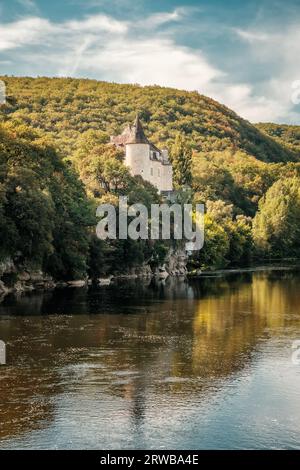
245,54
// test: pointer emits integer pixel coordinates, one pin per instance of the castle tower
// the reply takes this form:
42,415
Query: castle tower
143,158
137,151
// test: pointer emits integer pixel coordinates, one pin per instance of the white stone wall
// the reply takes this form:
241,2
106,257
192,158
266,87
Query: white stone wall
137,158
167,180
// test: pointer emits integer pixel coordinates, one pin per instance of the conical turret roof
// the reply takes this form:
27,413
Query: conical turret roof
137,134
132,134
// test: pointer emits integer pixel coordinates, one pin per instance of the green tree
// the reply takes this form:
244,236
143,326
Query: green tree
43,206
276,228
216,245
181,157
101,168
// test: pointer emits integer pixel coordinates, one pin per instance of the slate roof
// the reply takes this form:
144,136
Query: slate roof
133,134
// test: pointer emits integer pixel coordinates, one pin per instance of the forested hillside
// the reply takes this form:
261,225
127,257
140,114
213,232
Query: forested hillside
286,135
66,107
44,210
56,165
46,219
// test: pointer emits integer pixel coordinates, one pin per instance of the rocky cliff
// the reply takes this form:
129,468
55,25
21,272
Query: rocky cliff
21,279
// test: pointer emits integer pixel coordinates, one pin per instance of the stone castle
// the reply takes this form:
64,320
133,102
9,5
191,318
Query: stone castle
144,158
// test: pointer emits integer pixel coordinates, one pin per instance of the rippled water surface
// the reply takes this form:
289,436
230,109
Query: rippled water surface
202,364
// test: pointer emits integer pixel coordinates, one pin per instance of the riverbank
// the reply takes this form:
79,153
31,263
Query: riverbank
19,281
279,266
23,279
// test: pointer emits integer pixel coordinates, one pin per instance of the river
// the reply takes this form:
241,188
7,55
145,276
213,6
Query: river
201,364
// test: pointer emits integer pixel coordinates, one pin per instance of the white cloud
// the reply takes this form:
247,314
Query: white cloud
159,19
107,47
278,51
152,61
95,24
35,30
251,36
24,32
254,107
102,47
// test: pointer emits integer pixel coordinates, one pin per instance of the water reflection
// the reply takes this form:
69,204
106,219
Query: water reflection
120,359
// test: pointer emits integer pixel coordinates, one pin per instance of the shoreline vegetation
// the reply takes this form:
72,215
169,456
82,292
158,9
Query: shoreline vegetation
268,266
43,283
57,165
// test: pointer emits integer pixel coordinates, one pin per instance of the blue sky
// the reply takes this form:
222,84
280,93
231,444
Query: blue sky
244,54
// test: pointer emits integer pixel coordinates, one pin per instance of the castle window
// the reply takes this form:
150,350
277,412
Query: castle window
151,171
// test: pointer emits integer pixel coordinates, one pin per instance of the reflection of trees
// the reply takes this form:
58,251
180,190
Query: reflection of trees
209,335
180,339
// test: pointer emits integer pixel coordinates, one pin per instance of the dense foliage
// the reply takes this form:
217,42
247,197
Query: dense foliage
56,165
48,222
276,227
286,135
66,107
181,157
44,211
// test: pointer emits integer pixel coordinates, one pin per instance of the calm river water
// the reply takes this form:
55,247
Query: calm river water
204,364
